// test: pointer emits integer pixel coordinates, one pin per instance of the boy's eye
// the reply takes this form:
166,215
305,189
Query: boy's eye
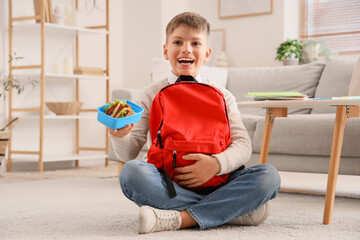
177,42
196,43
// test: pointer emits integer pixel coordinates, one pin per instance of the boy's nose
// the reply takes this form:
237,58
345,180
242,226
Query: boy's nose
187,48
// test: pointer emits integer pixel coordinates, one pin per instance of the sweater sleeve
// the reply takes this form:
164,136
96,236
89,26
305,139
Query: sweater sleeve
239,150
128,147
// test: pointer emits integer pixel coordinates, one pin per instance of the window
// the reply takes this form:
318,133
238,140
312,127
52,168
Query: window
334,22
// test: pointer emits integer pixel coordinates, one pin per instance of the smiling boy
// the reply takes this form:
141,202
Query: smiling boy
242,200
186,48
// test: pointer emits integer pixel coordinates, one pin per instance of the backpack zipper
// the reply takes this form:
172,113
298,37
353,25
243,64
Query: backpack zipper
174,158
158,136
158,140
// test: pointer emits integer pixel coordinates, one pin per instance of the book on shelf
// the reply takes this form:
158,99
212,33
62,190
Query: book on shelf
89,71
51,17
260,96
48,10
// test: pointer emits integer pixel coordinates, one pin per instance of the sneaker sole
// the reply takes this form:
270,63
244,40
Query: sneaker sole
144,221
267,212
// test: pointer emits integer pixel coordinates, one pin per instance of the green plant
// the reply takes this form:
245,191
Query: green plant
289,49
10,81
311,49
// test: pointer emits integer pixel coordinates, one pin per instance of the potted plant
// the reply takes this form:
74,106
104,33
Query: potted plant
4,141
312,49
289,52
8,81
5,83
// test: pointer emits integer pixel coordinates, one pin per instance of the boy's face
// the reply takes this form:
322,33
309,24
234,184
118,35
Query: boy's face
186,49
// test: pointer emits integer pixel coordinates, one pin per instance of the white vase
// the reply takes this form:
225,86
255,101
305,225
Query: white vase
68,66
290,61
59,16
78,19
69,16
222,60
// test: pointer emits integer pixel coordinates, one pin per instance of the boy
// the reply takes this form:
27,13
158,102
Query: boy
242,200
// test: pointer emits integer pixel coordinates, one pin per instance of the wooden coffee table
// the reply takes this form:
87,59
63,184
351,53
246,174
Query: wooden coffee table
345,108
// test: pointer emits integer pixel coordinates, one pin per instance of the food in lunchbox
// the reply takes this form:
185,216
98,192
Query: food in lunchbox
118,109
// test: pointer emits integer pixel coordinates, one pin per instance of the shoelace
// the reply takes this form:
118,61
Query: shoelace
166,220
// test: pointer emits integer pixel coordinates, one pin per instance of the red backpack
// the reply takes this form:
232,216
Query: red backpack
187,117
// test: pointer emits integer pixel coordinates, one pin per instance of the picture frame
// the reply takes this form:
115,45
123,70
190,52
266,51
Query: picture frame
244,8
217,44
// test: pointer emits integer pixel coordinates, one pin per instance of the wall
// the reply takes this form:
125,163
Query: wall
144,36
141,40
249,41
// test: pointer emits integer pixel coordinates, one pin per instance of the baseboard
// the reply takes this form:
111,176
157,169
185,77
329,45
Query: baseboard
315,183
20,166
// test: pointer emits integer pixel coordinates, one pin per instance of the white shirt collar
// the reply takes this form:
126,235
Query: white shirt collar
172,78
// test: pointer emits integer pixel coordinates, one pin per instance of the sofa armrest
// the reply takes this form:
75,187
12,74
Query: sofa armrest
125,93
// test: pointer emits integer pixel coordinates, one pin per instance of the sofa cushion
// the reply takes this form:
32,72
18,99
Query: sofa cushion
301,78
335,80
125,94
160,70
308,163
250,122
308,134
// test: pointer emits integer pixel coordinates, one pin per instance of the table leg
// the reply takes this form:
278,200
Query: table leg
342,113
271,113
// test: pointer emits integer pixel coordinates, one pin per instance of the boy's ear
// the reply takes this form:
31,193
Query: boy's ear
207,55
165,52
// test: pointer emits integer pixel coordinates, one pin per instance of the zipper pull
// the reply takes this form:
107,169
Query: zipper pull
174,158
158,141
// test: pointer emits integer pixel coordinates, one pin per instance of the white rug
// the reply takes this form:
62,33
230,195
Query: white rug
91,207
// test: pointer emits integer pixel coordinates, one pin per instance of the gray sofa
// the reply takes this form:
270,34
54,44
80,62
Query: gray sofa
302,141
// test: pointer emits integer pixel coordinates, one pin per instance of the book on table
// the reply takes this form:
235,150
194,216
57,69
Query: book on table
260,96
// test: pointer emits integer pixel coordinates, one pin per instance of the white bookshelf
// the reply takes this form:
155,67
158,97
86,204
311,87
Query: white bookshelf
59,157
49,76
57,29
61,117
50,34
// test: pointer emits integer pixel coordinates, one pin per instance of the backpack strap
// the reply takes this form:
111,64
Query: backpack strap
169,183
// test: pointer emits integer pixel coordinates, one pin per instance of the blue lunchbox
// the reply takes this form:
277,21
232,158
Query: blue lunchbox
116,123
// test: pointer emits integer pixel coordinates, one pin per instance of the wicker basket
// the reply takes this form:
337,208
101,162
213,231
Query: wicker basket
4,141
64,108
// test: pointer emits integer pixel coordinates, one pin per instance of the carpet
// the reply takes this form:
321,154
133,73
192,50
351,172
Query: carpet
85,204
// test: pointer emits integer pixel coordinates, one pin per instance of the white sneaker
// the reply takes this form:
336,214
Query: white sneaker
253,218
155,220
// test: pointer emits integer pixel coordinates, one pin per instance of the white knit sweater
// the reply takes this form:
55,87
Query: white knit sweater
237,153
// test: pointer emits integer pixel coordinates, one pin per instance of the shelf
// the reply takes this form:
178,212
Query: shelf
57,29
61,117
61,76
56,158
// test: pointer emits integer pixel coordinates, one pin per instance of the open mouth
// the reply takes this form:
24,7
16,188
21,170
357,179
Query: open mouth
185,61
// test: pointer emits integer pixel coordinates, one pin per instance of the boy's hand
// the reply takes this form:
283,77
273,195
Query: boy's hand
198,173
121,132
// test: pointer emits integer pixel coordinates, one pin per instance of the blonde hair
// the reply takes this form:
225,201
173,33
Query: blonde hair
189,19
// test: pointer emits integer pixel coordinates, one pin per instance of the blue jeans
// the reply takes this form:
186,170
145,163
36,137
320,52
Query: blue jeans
244,191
